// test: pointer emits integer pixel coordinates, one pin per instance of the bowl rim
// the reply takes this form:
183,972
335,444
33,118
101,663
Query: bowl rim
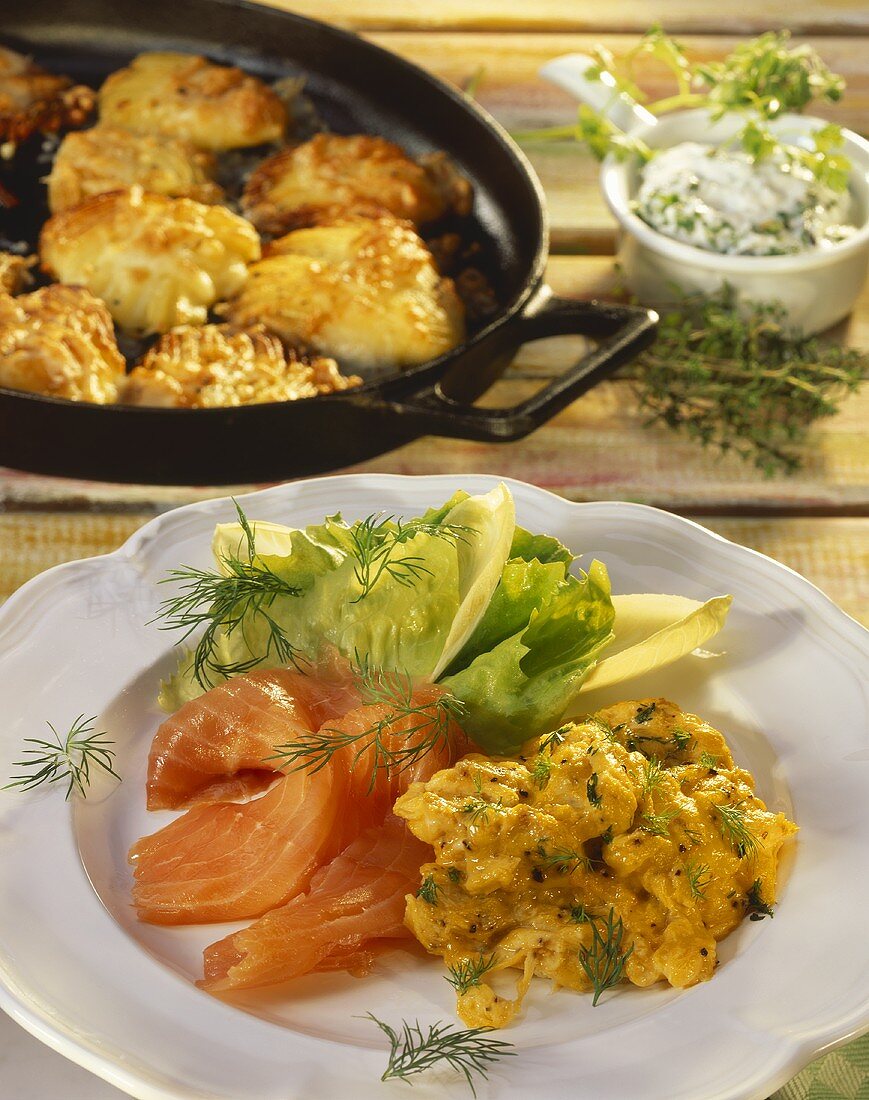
613,173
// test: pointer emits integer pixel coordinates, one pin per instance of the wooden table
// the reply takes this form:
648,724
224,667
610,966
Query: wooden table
816,521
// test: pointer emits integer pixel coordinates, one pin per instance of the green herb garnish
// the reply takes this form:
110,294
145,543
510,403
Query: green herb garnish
429,728
604,962
699,876
564,860
552,740
541,772
734,376
413,1050
731,821
759,80
468,972
658,824
377,543
644,714
226,602
591,790
429,890
757,908
69,758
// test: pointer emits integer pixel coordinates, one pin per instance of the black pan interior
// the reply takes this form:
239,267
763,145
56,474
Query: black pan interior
354,88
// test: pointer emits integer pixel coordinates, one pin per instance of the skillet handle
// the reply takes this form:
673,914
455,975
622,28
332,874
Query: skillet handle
623,332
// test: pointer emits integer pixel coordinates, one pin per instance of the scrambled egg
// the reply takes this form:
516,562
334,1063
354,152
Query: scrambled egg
624,845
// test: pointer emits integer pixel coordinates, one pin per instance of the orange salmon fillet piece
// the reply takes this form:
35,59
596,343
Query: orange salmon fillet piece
232,729
227,861
357,898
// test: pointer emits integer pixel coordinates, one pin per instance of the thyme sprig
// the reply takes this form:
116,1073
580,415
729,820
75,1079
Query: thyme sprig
429,728
413,1050
604,962
466,973
732,375
223,602
376,545
70,758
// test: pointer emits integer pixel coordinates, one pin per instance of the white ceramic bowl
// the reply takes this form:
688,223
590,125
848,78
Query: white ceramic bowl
817,287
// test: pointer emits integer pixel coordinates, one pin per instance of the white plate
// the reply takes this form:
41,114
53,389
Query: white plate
789,689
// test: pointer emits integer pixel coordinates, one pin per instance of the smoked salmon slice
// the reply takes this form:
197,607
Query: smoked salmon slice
231,730
228,861
355,900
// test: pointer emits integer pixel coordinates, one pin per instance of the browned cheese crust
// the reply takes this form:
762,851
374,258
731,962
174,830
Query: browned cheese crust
364,291
156,262
211,366
32,99
216,107
106,158
59,341
332,175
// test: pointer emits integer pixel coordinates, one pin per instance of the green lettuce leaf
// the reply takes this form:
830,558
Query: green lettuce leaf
408,620
525,683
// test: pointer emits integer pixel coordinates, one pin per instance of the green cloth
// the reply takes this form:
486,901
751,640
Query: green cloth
841,1075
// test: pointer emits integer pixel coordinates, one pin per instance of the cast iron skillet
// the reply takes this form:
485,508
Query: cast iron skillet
357,87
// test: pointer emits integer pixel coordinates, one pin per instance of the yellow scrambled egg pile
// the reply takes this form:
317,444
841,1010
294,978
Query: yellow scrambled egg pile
622,846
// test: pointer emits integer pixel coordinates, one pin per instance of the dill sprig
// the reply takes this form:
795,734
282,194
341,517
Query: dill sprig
591,792
731,821
553,740
466,973
413,1050
708,760
604,962
644,713
699,875
564,860
429,728
579,915
235,599
658,824
756,907
732,375
70,758
653,775
429,890
377,541
541,772
478,809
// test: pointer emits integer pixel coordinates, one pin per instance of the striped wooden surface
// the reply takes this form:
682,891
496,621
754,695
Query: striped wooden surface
735,17
833,554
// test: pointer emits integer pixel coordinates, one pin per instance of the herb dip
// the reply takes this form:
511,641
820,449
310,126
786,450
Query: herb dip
720,200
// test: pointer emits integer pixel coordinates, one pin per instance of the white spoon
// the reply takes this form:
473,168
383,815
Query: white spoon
568,72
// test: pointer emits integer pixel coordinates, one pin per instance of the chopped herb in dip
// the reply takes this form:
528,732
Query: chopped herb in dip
721,200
